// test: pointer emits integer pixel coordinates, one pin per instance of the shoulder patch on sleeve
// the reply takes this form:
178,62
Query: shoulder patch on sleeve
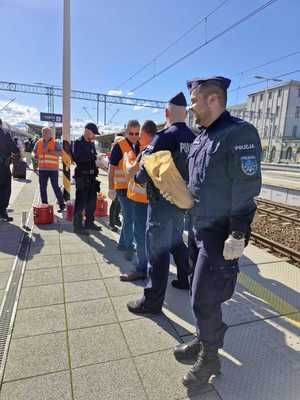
249,165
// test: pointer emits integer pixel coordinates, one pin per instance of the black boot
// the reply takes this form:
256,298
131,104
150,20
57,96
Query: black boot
4,216
208,364
187,353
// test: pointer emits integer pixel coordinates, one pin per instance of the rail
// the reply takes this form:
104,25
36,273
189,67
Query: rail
277,247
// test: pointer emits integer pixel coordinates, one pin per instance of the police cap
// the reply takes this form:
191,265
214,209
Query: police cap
92,127
178,100
220,81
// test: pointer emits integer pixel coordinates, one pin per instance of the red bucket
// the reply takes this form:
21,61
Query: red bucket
70,210
43,214
101,207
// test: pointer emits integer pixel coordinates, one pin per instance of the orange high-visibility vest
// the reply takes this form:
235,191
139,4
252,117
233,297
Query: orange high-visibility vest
45,160
135,191
120,177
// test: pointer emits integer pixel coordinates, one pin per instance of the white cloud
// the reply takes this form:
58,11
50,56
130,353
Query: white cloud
155,110
114,92
18,114
130,93
137,108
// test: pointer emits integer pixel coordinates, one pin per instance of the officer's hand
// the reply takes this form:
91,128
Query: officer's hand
168,197
111,194
233,248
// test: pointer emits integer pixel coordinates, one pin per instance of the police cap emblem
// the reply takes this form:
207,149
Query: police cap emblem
249,165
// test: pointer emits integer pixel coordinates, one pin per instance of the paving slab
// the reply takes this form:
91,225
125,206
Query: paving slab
157,334
97,344
45,250
111,270
120,306
260,297
39,241
282,279
261,361
108,381
255,255
75,273
117,288
71,248
42,277
3,279
35,321
1,295
7,256
36,355
85,290
39,262
38,296
90,313
162,377
78,259
54,386
6,264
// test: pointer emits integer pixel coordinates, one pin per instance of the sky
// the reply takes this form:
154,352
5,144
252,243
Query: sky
111,40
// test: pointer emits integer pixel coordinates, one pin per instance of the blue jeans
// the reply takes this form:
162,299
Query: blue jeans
127,207
140,220
43,179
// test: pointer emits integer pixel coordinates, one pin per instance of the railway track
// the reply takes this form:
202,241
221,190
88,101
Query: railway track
279,211
276,247
286,221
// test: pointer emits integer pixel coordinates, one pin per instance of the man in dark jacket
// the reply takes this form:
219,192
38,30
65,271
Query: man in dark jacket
7,149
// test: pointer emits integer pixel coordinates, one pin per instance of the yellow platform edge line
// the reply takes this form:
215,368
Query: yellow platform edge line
277,303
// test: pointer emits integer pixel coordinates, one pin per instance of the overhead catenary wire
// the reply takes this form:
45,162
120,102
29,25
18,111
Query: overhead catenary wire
264,80
174,43
206,43
273,61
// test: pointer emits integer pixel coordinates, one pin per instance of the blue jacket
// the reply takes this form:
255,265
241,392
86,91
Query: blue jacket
177,139
225,174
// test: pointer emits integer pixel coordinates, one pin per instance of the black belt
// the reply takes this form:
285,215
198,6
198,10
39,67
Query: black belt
90,172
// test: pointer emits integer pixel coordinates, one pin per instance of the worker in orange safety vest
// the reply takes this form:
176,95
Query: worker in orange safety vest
138,195
47,152
118,184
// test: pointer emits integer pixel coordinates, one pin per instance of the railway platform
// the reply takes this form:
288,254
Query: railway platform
66,334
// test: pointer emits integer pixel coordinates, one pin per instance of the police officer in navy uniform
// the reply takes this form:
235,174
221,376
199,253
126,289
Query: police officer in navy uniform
224,179
165,221
84,154
8,148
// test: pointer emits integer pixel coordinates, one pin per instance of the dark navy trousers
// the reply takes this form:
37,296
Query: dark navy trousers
212,283
85,199
5,187
44,176
163,236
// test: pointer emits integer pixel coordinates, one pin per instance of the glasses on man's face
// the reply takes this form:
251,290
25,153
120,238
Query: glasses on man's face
133,133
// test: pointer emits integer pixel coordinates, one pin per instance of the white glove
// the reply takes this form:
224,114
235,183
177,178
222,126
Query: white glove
233,248
168,197
111,194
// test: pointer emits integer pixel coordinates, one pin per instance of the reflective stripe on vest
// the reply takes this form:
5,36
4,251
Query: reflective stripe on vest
120,178
137,192
47,161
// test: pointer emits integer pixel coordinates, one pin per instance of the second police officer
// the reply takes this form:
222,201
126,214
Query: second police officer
84,155
224,179
165,220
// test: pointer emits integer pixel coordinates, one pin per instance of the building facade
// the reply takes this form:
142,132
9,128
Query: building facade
275,111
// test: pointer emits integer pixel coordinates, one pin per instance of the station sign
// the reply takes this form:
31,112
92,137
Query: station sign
51,117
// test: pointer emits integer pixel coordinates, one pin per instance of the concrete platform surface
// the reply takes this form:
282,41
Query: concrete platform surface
74,339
